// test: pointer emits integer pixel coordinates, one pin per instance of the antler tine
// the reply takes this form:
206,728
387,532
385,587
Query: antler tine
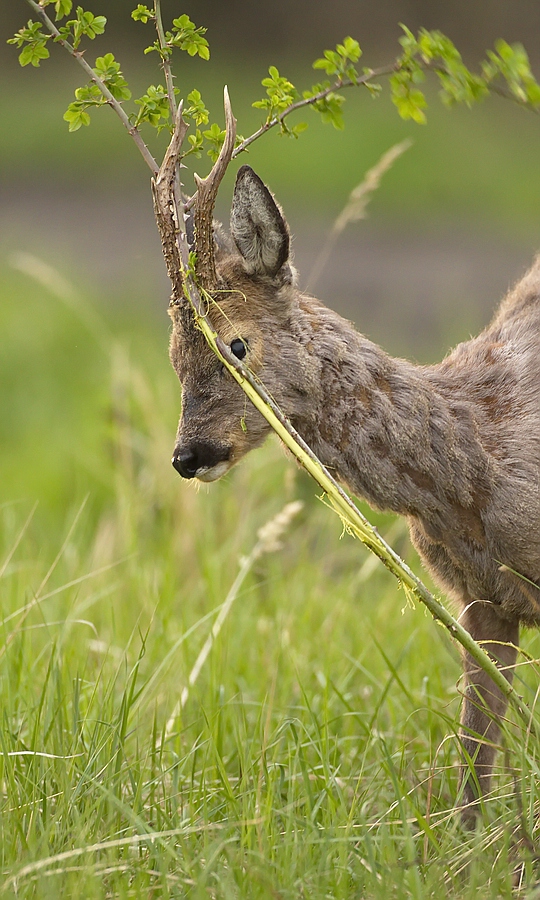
207,189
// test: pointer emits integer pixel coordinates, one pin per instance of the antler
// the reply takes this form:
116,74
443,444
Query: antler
165,191
205,200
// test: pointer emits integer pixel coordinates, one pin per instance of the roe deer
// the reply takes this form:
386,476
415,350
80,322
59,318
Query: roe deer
454,447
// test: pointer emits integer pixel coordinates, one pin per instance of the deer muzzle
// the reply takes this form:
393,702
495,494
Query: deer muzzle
202,460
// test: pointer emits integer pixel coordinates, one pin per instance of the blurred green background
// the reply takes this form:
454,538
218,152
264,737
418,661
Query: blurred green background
454,223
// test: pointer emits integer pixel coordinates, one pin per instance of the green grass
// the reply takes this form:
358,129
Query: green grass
315,755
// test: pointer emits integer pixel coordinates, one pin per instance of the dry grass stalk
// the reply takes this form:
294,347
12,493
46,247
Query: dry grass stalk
269,541
356,206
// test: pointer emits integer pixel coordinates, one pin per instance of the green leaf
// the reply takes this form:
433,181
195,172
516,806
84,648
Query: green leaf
281,93
32,36
76,117
330,62
349,49
96,26
215,137
33,53
106,65
196,141
90,94
63,8
142,14
339,62
408,42
297,129
511,62
86,24
183,23
154,107
533,93
410,103
203,50
108,70
215,133
186,36
197,110
315,89
329,108
373,88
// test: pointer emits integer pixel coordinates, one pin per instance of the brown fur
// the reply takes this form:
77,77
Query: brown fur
454,447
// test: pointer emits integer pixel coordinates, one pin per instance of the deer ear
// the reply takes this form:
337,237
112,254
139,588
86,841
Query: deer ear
259,230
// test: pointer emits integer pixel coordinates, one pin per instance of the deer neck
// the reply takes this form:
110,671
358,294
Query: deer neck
382,426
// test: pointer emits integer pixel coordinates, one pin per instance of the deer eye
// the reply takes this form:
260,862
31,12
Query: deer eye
239,348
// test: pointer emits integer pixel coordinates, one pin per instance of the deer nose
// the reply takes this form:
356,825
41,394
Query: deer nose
198,457
185,462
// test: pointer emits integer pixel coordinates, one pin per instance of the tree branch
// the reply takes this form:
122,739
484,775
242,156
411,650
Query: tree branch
165,60
132,130
310,101
301,104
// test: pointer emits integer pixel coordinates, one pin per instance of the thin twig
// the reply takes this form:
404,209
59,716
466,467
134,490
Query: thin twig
165,59
310,101
132,130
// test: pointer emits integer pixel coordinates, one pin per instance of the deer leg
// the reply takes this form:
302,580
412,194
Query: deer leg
483,704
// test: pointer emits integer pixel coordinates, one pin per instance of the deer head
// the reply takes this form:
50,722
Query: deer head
250,281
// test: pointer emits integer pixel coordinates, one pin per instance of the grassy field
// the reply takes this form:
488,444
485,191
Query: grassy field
314,754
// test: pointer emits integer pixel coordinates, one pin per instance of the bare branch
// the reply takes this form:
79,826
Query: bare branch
112,101
206,198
